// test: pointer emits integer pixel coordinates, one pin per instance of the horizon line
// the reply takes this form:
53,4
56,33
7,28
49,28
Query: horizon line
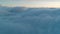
28,7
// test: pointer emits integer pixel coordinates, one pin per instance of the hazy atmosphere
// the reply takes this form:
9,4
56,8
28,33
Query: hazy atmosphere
31,3
29,16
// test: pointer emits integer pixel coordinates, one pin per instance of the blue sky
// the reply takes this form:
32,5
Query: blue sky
31,3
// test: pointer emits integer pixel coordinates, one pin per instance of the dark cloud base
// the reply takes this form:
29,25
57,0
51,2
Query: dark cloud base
20,20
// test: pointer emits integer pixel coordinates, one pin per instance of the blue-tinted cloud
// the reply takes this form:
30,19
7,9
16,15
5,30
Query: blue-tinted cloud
17,20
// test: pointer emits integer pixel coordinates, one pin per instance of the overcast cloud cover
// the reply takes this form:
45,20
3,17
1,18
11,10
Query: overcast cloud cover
19,20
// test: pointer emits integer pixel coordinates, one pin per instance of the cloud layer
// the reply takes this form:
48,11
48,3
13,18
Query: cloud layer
20,20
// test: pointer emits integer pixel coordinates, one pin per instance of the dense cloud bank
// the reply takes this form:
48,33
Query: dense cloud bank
19,20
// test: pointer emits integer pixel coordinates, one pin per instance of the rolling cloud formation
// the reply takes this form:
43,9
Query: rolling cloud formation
20,20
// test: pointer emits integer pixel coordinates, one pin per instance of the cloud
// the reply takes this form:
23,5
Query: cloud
15,20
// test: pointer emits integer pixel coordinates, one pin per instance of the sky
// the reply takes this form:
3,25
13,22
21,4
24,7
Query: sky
31,3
